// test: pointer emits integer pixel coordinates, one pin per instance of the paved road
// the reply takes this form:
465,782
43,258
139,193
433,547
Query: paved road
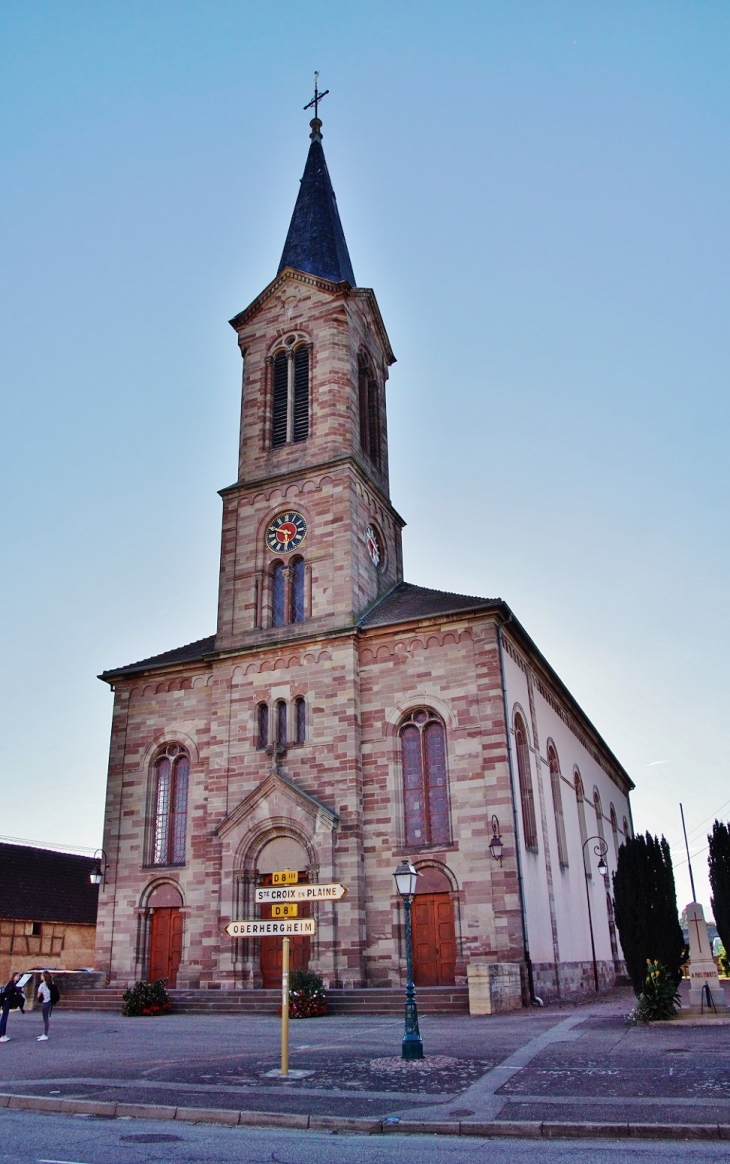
579,1063
30,1138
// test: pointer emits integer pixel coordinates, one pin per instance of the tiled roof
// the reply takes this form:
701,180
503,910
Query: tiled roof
42,885
406,602
316,241
190,653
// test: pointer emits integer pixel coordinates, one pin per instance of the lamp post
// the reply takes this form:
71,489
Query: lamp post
412,1045
98,875
495,844
600,850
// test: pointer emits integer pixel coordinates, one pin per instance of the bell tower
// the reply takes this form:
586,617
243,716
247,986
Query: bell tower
310,538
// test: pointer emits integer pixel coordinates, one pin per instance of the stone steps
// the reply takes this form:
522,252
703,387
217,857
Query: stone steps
430,999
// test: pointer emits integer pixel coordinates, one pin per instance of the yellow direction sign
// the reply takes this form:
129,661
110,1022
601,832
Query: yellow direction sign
287,909
270,928
334,892
284,877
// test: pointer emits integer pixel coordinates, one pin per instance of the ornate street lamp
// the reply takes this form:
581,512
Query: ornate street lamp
495,844
600,851
412,1046
98,875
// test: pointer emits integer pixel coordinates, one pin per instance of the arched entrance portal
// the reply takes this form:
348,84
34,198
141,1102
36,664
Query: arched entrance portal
166,934
282,853
433,932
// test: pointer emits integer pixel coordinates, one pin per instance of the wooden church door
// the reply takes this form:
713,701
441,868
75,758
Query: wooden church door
271,951
166,944
434,939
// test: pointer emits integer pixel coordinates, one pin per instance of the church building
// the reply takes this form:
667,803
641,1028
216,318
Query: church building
341,719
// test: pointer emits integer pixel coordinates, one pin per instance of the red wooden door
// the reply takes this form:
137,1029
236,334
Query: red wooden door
166,944
434,939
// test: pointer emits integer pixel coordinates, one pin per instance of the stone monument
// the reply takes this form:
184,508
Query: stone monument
702,968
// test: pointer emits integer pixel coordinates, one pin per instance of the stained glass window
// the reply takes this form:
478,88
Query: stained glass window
425,791
171,806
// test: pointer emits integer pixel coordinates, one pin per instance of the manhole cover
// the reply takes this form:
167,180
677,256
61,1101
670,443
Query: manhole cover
149,1138
461,1111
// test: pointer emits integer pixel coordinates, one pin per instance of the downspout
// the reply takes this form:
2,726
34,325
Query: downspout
534,1000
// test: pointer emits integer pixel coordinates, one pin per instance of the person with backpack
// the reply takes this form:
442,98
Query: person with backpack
47,996
12,998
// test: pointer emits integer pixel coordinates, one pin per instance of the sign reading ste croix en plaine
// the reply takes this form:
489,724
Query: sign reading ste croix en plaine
334,892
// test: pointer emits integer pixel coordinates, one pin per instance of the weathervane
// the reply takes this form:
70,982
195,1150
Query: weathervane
317,98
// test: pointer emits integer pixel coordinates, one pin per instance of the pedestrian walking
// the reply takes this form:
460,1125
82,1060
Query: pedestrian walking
45,997
12,999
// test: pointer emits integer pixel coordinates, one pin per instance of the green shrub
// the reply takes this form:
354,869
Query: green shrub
645,907
306,995
146,998
659,999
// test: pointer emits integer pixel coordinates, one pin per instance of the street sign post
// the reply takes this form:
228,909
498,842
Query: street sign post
282,895
333,892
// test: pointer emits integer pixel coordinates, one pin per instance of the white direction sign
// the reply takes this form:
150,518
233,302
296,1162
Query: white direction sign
270,928
301,893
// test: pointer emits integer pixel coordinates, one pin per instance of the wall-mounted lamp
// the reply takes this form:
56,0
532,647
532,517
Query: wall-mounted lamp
495,844
98,875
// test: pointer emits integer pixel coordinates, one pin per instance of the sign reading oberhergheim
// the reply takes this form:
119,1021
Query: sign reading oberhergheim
270,928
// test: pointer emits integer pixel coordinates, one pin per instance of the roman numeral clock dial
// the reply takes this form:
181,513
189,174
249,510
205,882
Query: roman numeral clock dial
286,532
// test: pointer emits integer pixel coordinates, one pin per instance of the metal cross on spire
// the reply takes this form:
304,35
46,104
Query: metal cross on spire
317,97
314,103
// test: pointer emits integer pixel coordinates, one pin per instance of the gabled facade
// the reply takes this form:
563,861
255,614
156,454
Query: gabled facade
340,718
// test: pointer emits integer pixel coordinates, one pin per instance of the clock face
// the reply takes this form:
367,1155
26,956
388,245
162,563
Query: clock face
286,532
373,544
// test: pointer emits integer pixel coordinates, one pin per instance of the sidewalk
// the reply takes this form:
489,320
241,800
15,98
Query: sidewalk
563,1070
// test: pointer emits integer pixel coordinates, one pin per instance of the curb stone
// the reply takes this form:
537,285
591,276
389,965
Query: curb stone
529,1129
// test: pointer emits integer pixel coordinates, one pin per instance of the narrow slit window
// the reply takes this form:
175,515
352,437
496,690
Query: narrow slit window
301,719
262,725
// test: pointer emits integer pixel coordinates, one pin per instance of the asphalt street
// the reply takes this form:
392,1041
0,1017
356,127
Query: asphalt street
30,1138
564,1064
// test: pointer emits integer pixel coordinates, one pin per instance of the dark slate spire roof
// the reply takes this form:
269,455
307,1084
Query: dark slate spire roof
316,241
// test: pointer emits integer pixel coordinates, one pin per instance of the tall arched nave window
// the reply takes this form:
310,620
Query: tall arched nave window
425,792
558,806
580,801
527,797
290,394
172,768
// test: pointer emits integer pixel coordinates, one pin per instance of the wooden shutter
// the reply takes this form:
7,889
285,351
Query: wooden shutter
301,393
280,395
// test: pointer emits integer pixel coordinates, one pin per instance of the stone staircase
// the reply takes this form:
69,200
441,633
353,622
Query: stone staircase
431,1000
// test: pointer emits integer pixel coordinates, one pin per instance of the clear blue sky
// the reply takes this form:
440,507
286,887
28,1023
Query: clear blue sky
538,193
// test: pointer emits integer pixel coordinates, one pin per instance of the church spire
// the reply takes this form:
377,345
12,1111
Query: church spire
316,241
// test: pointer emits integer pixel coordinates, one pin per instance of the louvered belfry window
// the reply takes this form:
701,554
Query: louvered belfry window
369,413
290,396
527,798
171,806
425,793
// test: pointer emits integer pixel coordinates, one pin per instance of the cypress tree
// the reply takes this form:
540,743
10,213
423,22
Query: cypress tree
645,905
719,863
